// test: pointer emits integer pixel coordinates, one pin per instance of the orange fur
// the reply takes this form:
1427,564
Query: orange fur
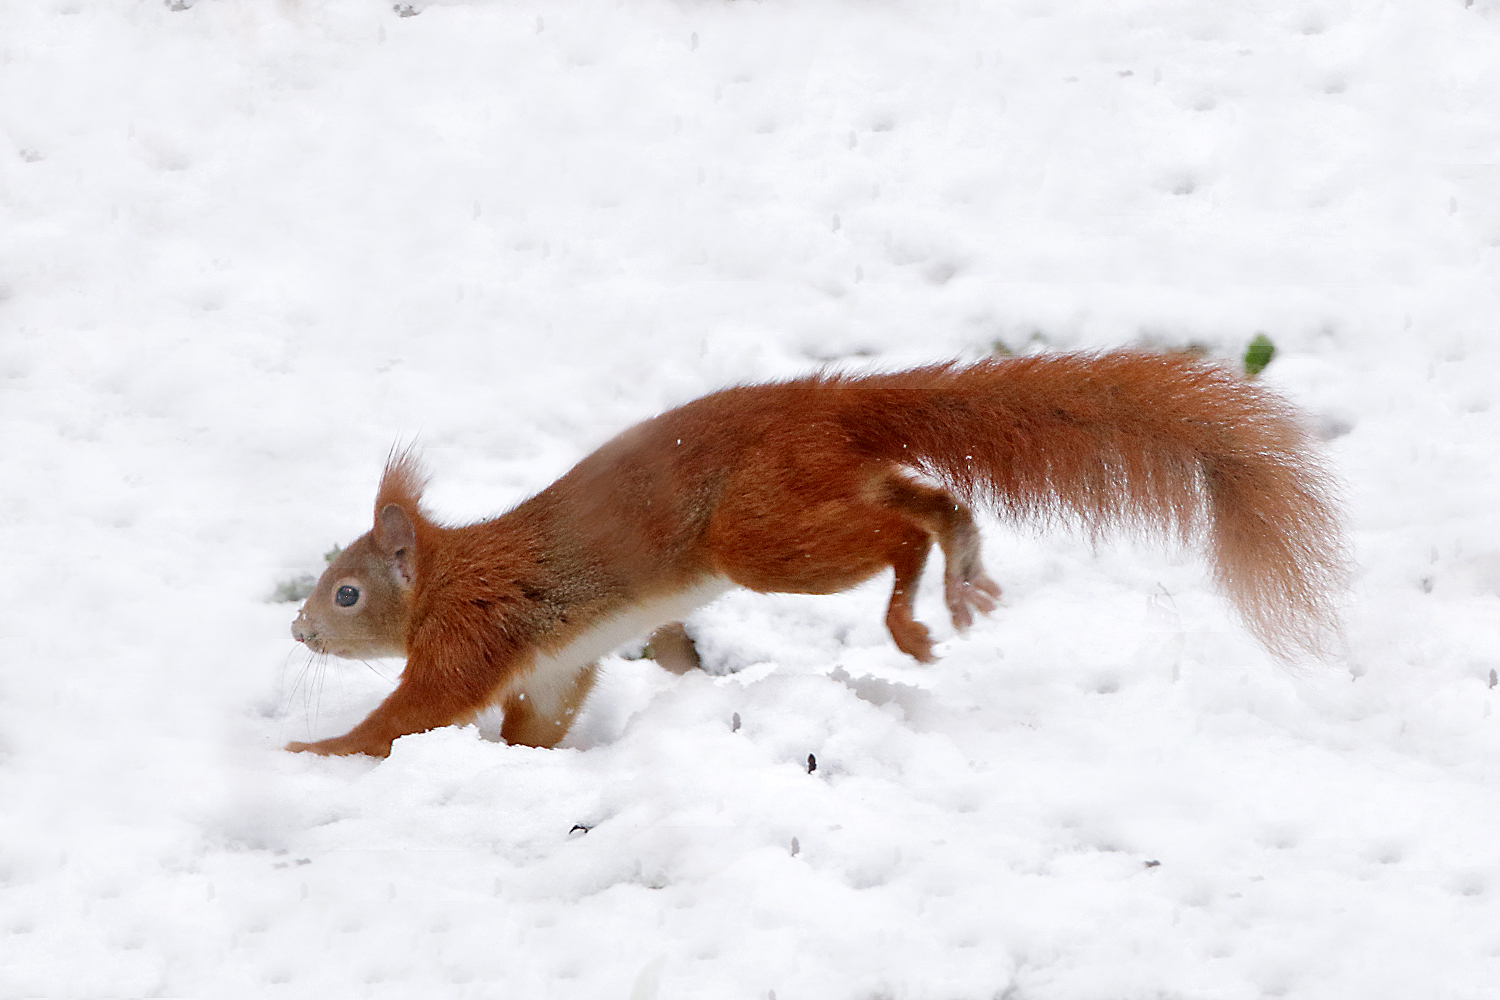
805,487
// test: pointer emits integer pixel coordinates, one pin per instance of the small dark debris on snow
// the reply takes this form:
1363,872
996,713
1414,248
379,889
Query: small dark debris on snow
1153,864
1493,678
407,9
812,763
796,847
734,723
579,828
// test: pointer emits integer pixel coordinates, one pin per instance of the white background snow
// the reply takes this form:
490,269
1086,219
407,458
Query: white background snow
248,245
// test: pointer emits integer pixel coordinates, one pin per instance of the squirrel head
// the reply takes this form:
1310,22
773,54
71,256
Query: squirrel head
361,605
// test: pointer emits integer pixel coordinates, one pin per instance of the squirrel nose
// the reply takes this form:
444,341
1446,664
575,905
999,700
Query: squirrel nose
298,631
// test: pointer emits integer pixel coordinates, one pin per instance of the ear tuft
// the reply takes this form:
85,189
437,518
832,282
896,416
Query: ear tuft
403,481
397,509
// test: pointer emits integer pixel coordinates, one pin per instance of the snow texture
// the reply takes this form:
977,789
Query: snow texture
246,245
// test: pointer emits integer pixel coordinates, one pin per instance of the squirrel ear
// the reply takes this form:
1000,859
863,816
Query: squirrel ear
396,538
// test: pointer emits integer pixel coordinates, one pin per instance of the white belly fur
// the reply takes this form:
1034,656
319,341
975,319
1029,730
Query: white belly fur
554,674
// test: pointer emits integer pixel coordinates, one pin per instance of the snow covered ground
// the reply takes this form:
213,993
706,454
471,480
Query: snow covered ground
248,244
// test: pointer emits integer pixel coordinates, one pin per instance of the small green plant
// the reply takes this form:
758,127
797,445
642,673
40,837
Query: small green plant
298,588
1258,355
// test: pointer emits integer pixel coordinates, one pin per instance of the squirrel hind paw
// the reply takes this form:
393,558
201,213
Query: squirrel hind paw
912,639
964,597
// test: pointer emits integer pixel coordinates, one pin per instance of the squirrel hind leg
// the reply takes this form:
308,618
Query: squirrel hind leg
967,588
539,714
907,559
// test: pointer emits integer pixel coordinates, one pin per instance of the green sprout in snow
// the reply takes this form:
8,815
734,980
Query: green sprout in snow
1258,355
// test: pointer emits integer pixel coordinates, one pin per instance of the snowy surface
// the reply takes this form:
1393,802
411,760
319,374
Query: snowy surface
246,245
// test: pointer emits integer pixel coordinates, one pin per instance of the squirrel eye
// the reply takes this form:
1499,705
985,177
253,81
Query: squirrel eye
346,596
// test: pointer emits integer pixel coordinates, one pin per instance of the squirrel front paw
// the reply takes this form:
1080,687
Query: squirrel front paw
340,746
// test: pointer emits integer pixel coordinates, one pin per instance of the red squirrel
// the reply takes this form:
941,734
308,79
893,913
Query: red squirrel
812,486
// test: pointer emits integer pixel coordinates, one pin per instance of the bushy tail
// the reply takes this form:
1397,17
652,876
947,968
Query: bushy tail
1144,443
